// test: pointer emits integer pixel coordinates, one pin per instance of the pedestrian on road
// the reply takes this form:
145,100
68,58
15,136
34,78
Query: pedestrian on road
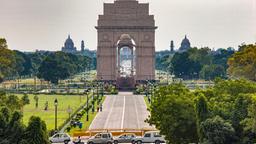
98,109
101,107
78,140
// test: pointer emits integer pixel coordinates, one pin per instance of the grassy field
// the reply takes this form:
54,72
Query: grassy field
64,101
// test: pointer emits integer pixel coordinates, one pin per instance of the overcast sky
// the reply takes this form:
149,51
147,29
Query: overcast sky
45,24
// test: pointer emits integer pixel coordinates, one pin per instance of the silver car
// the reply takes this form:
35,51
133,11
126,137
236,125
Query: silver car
125,138
150,137
101,138
60,138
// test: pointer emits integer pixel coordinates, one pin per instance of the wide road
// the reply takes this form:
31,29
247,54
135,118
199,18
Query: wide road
122,111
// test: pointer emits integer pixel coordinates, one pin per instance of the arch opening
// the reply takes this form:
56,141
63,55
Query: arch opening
126,61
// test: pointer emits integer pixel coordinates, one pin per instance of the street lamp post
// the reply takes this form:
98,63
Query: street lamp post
93,99
97,89
56,114
87,105
102,87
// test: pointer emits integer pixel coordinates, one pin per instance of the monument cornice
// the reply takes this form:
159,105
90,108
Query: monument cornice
125,27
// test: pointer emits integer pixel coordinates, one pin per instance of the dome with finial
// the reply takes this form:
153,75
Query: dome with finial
69,46
185,44
69,42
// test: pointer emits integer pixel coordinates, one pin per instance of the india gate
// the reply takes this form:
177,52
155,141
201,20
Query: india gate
126,43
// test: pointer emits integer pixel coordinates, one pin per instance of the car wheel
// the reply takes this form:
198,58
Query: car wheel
66,142
157,142
139,142
133,142
109,142
90,142
115,142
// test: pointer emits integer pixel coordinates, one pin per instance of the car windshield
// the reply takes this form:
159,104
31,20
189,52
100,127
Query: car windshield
56,136
132,136
105,136
157,135
98,136
147,135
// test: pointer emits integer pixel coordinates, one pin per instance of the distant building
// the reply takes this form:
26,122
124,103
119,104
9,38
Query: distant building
69,46
172,47
82,46
185,45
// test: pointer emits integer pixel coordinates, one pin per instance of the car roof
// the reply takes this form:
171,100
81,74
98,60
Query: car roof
103,133
61,133
127,134
152,132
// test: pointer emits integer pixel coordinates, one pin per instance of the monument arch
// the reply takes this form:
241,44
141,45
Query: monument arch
126,23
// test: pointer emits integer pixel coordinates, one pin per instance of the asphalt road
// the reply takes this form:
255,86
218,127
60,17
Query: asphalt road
122,111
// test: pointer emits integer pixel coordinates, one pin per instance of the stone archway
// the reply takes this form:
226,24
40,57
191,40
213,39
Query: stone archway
131,18
126,65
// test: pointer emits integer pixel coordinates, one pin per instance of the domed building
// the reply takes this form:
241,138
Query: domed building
69,46
185,45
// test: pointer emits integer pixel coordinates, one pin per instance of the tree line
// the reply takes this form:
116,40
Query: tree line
207,64
196,63
12,129
223,114
50,66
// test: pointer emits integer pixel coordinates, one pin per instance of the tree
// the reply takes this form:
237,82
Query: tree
36,98
23,63
202,113
222,56
249,123
210,72
1,77
217,131
25,100
59,65
172,113
36,132
11,128
13,103
189,64
243,63
7,60
239,113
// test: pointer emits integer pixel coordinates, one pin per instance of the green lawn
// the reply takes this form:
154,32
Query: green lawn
64,101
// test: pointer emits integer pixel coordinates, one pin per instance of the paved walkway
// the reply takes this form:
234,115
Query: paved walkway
122,111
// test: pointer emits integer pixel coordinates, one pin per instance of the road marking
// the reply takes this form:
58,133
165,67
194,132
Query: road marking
136,111
122,123
109,114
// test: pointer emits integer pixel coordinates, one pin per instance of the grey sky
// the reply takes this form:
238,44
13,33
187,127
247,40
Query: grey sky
45,24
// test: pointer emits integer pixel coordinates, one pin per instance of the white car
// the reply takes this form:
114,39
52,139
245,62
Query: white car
60,138
150,137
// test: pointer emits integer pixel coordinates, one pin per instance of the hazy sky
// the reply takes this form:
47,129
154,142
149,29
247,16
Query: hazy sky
45,24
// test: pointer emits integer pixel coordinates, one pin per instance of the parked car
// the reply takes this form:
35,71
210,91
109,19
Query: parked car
124,138
60,138
150,137
101,138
